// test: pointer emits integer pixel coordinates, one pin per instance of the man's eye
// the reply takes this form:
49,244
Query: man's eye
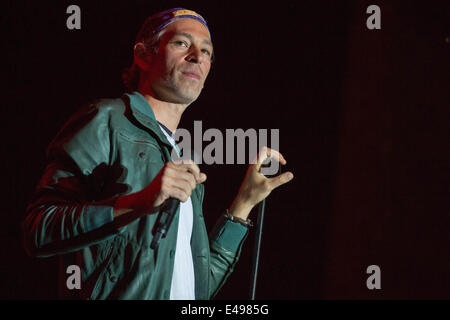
207,52
181,43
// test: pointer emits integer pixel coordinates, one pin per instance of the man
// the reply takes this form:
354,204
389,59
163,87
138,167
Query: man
110,173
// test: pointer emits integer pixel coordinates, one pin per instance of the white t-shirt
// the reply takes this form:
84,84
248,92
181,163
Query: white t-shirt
183,279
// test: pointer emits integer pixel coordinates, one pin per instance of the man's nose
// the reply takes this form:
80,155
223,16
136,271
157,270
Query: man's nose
195,55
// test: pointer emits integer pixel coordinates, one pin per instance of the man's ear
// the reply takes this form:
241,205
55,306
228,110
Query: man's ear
141,57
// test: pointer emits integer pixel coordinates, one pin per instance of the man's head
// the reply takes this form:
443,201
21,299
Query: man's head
173,54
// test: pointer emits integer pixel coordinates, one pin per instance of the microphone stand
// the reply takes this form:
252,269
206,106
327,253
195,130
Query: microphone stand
257,247
257,244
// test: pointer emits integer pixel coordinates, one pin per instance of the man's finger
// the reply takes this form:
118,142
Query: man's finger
202,177
190,166
283,178
266,153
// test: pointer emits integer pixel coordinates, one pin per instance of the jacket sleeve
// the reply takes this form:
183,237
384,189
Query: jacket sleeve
226,242
64,215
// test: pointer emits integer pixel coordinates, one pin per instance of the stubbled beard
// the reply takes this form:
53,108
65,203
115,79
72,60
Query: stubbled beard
184,92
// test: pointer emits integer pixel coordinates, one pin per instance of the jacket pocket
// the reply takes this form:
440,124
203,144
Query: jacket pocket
140,148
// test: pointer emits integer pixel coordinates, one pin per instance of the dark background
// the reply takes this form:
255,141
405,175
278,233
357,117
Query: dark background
363,118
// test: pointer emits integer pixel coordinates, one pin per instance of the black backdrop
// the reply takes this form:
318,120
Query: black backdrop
363,118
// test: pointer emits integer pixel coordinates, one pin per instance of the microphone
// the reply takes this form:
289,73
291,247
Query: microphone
164,221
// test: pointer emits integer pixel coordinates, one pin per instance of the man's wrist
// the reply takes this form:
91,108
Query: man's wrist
240,210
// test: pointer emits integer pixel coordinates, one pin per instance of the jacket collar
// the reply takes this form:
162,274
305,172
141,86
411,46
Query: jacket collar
143,113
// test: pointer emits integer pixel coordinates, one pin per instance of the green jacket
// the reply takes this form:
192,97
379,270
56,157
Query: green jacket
114,147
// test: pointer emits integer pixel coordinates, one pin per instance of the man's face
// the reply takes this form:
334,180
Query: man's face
179,69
